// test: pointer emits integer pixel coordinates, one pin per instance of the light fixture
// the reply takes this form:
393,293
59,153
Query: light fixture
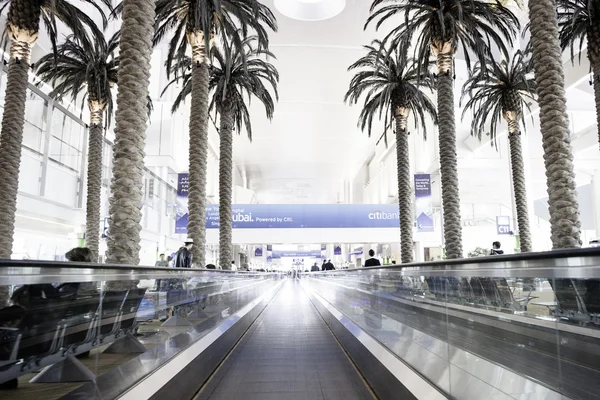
310,10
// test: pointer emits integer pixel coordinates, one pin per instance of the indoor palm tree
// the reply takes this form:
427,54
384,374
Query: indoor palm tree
131,116
579,21
504,90
23,25
394,88
87,68
195,24
554,124
439,28
238,74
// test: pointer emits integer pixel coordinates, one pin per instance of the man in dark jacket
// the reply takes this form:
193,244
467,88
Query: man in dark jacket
329,266
323,267
372,262
183,258
314,268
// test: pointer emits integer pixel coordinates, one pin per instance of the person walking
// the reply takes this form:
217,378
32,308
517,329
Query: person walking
314,268
329,266
323,267
372,262
183,258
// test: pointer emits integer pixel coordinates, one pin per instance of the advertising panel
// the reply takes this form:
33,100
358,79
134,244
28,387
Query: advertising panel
281,216
423,203
181,204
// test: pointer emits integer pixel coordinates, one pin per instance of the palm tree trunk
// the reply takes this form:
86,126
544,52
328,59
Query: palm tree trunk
130,132
94,182
198,161
404,186
594,57
11,139
554,124
520,188
448,157
225,188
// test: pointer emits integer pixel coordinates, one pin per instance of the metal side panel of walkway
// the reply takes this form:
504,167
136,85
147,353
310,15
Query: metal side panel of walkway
289,353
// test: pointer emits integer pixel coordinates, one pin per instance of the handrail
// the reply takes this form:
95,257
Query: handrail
6,263
573,263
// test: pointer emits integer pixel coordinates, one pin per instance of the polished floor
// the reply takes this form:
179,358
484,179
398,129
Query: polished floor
289,353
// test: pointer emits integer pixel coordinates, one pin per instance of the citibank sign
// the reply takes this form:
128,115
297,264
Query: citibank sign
378,214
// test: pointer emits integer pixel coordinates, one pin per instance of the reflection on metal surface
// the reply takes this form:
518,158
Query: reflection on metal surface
418,386
160,377
476,333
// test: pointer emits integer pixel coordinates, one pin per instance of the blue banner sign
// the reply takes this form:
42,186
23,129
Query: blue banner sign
181,204
423,203
281,216
295,254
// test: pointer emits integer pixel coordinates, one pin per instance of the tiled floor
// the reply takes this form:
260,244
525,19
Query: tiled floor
289,353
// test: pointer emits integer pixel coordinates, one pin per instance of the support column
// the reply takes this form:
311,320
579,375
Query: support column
596,188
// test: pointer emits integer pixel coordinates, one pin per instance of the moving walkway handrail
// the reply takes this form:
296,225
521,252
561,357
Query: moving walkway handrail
572,263
19,272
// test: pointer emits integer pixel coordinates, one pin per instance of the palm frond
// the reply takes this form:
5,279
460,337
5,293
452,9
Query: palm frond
495,88
387,79
83,68
237,75
578,22
65,11
475,27
231,20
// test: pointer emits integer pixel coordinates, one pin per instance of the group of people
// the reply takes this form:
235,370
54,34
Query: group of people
184,259
327,266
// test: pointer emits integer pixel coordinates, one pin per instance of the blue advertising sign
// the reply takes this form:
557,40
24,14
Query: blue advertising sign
261,216
337,250
181,204
503,225
294,254
423,203
258,252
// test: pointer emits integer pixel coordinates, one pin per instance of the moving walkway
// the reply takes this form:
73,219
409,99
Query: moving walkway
504,327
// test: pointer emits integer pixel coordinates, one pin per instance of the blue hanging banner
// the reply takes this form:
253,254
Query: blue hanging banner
282,216
181,204
423,203
258,252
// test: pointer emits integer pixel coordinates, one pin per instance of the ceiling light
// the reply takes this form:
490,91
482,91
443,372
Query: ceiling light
310,10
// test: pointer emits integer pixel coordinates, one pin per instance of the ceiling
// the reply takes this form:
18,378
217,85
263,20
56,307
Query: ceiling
312,145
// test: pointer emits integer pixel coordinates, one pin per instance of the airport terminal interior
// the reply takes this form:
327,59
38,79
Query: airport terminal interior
300,199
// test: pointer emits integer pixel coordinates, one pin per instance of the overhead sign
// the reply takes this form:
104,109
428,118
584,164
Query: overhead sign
503,225
281,216
423,203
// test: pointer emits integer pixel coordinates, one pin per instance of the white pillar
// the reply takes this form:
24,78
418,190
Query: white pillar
596,188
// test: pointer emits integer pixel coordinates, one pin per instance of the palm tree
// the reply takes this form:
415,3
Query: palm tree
394,88
23,25
237,74
498,91
135,51
195,24
87,68
578,21
554,124
440,28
